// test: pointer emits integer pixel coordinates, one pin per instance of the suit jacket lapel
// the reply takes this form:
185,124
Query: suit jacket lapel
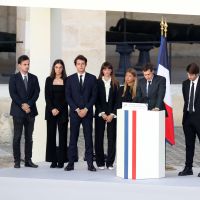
85,81
103,90
153,83
197,90
29,83
110,91
187,90
77,81
21,81
144,86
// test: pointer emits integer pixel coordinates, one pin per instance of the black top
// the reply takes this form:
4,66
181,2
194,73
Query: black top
55,98
126,98
59,96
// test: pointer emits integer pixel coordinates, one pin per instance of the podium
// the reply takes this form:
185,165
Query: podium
140,144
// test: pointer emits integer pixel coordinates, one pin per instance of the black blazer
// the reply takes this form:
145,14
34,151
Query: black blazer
19,95
186,90
156,92
81,99
50,104
126,98
101,104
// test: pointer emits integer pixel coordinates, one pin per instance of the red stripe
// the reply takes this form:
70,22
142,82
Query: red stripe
134,145
169,126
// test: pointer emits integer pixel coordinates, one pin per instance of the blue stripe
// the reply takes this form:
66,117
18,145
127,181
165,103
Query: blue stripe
126,144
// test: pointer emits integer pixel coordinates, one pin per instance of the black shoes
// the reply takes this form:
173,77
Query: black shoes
198,174
30,164
187,171
69,167
60,165
92,168
53,165
57,165
17,165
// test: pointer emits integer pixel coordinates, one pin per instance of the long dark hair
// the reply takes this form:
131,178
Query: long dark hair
53,74
108,65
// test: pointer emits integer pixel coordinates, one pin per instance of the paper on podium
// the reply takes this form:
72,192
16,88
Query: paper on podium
134,106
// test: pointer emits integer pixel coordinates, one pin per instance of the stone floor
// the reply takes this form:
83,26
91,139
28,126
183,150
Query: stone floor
175,155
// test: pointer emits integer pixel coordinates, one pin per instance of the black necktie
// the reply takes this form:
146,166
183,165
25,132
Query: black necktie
148,87
81,82
25,82
191,103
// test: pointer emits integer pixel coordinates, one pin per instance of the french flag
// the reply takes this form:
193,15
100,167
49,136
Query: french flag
163,70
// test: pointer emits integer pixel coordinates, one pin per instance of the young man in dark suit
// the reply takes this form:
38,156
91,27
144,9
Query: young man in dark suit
191,115
151,89
24,91
81,92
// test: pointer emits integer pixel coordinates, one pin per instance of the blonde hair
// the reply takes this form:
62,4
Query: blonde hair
133,87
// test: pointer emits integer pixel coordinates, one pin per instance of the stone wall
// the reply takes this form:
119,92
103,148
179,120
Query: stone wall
7,24
83,32
6,125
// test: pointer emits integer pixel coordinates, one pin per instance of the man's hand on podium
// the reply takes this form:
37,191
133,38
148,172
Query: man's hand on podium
155,109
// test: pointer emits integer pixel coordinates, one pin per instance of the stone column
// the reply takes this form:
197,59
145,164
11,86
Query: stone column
34,30
40,61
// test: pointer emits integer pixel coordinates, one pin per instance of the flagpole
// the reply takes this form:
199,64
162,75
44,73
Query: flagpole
164,27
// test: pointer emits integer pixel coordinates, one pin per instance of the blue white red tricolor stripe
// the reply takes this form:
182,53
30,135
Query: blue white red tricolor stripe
140,144
129,158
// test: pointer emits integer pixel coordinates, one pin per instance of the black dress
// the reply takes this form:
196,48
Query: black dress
126,98
55,98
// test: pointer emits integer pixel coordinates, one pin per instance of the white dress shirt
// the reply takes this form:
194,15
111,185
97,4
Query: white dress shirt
148,82
107,87
23,75
83,77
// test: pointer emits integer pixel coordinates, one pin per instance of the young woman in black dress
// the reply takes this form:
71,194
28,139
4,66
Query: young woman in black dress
127,92
107,92
56,115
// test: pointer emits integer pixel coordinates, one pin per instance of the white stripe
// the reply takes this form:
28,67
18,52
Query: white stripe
120,143
162,71
130,137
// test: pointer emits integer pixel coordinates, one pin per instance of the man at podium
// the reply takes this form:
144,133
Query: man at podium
151,89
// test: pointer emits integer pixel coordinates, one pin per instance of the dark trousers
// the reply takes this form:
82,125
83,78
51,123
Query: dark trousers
53,153
100,125
75,122
28,124
191,127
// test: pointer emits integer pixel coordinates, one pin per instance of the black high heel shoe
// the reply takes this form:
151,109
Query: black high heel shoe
60,165
53,165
